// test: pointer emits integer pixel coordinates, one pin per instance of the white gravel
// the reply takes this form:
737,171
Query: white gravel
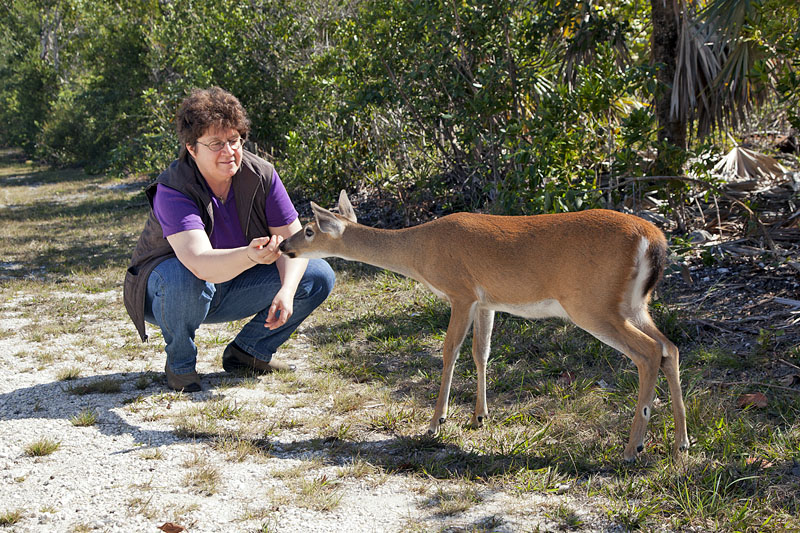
131,472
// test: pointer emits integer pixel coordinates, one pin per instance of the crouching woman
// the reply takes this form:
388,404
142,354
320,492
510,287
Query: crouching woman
209,249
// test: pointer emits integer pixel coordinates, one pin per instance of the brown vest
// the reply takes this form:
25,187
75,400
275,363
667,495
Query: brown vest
251,185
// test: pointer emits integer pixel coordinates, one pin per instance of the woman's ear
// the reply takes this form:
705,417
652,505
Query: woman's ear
190,149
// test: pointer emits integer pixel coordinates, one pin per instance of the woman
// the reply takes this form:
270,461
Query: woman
209,249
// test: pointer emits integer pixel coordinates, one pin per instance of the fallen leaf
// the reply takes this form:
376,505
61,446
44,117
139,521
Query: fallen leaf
169,527
743,163
791,379
757,461
756,399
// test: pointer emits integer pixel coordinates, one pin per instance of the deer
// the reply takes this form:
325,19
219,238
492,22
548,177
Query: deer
596,268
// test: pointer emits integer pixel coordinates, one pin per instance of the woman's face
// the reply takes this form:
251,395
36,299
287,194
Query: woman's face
217,166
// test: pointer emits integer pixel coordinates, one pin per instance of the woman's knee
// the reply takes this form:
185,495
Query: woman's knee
173,282
320,278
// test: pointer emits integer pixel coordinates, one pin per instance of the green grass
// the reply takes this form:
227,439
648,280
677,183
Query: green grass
42,447
9,518
560,402
318,494
546,433
202,477
87,417
101,386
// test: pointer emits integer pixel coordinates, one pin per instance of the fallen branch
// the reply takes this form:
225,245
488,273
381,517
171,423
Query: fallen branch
787,363
787,301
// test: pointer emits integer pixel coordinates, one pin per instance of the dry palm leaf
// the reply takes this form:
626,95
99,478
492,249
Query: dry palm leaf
745,164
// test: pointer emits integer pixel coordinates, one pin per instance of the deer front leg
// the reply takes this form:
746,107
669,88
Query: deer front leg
460,321
481,343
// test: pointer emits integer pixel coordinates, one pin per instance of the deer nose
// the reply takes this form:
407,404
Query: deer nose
289,254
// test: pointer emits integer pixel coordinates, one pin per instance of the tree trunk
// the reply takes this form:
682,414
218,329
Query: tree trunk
666,20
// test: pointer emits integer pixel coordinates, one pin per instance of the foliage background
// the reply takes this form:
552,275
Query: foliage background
510,106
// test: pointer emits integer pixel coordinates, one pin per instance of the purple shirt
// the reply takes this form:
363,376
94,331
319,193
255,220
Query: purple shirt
176,213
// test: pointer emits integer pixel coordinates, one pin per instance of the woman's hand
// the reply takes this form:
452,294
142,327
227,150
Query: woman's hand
291,271
281,309
264,250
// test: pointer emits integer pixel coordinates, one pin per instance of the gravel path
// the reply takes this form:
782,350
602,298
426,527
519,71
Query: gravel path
139,467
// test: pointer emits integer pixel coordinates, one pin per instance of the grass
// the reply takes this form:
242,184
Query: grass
100,386
87,417
203,477
68,374
318,493
560,402
454,501
546,433
42,447
9,518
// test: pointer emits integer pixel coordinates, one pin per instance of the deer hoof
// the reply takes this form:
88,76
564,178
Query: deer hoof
629,455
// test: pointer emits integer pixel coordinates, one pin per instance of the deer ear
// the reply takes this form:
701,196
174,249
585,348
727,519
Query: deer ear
345,209
327,221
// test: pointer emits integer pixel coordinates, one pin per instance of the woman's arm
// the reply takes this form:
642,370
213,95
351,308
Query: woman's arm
217,266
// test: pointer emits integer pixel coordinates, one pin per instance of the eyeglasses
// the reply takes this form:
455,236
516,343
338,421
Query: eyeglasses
216,146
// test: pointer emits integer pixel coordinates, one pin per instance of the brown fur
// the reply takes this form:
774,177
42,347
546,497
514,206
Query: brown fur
591,267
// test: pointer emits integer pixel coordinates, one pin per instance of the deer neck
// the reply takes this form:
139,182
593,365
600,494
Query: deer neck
389,249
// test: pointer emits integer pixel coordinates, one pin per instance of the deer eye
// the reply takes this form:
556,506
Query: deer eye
309,231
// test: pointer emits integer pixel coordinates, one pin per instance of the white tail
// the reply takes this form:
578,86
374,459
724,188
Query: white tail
596,268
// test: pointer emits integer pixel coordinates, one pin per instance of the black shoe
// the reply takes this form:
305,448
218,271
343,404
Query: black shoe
234,359
183,382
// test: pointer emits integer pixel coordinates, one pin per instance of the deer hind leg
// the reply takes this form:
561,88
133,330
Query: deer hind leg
671,367
646,353
481,343
460,320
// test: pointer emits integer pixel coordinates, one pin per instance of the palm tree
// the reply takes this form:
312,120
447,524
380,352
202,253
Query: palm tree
665,18
715,68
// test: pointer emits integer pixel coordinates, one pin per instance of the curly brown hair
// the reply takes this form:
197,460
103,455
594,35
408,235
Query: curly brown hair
209,108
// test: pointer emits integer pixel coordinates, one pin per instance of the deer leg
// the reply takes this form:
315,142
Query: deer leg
645,352
460,320
481,342
670,365
648,374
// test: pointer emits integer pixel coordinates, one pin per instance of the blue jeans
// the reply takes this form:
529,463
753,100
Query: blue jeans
178,302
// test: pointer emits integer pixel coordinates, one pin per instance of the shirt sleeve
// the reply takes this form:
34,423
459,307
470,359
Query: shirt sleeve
175,211
279,208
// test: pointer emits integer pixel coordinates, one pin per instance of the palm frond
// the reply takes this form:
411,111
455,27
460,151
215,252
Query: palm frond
745,164
696,67
713,80
729,17
584,33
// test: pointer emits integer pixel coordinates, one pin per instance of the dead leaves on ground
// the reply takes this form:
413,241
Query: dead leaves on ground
756,399
169,527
